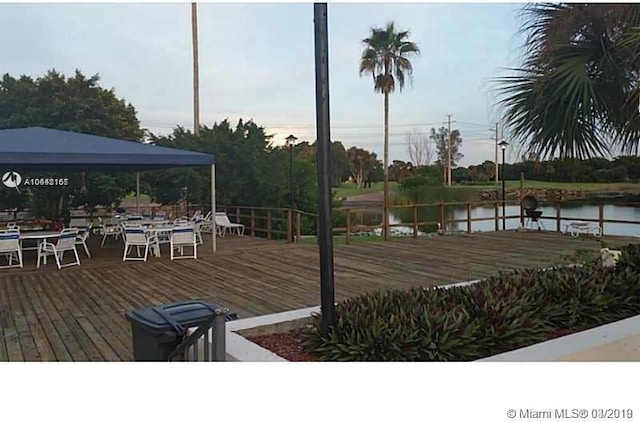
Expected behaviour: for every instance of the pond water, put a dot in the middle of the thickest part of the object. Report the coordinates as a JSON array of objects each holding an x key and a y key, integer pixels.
[
  {"x": 568, "y": 214},
  {"x": 571, "y": 212}
]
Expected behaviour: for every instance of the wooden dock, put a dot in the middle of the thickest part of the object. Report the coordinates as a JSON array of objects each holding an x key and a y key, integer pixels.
[{"x": 76, "y": 314}]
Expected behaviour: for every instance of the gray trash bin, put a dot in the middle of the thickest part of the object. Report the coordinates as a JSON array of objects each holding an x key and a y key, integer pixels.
[{"x": 158, "y": 330}]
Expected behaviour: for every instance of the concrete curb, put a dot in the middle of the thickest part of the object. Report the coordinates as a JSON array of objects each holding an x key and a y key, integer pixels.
[{"x": 571, "y": 344}]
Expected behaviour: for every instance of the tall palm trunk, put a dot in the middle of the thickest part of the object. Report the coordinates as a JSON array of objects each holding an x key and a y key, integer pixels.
[
  {"x": 196, "y": 79},
  {"x": 386, "y": 167}
]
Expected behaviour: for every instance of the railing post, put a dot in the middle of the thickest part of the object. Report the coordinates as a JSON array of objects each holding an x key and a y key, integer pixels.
[
  {"x": 269, "y": 224},
  {"x": 347, "y": 238},
  {"x": 558, "y": 217},
  {"x": 238, "y": 215},
  {"x": 442, "y": 216},
  {"x": 415, "y": 221},
  {"x": 219, "y": 336},
  {"x": 298, "y": 226},
  {"x": 601, "y": 217},
  {"x": 496, "y": 213},
  {"x": 253, "y": 222},
  {"x": 468, "y": 217},
  {"x": 289, "y": 225}
]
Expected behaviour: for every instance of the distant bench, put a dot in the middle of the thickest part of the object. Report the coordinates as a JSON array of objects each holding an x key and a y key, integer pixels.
[{"x": 575, "y": 229}]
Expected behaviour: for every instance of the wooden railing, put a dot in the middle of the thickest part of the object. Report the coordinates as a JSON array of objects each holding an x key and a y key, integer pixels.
[
  {"x": 272, "y": 223},
  {"x": 206, "y": 343},
  {"x": 285, "y": 224},
  {"x": 442, "y": 221}
]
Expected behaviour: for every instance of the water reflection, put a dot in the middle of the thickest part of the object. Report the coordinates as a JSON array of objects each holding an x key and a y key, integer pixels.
[{"x": 570, "y": 212}]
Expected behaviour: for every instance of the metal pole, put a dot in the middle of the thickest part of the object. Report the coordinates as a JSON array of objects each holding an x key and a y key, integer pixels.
[
  {"x": 325, "y": 227},
  {"x": 219, "y": 335},
  {"x": 291, "y": 197},
  {"x": 137, "y": 192},
  {"x": 504, "y": 215},
  {"x": 213, "y": 206}
]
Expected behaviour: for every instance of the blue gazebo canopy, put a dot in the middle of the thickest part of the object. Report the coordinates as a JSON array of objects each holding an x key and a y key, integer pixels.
[{"x": 43, "y": 149}]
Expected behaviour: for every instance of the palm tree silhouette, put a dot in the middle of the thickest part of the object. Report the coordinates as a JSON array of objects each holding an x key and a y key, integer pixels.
[{"x": 386, "y": 57}]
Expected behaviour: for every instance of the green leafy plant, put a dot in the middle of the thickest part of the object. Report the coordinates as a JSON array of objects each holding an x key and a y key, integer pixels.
[{"x": 499, "y": 314}]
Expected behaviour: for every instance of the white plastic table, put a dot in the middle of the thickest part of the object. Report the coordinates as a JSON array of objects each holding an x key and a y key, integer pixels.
[
  {"x": 40, "y": 236},
  {"x": 575, "y": 229}
]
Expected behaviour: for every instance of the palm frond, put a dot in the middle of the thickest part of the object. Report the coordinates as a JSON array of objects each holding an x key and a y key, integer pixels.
[
  {"x": 386, "y": 56},
  {"x": 577, "y": 90}
]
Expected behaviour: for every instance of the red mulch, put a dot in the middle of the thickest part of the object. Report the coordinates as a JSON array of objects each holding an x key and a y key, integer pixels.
[{"x": 286, "y": 345}]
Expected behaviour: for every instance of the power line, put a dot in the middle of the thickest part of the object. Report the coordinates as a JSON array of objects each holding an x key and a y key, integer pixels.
[{"x": 167, "y": 124}]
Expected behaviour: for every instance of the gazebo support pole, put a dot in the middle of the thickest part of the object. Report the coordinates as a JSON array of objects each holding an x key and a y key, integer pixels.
[
  {"x": 137, "y": 192},
  {"x": 213, "y": 206}
]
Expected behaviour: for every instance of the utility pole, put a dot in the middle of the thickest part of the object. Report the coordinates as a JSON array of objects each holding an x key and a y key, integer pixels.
[
  {"x": 196, "y": 82},
  {"x": 449, "y": 121}
]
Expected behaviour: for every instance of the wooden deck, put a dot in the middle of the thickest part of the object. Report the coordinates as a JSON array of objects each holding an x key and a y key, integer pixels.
[{"x": 76, "y": 314}]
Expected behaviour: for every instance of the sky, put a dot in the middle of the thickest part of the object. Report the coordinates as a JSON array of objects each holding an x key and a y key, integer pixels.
[{"x": 257, "y": 62}]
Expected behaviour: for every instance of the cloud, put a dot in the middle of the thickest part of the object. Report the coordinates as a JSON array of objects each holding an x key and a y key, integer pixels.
[{"x": 257, "y": 62}]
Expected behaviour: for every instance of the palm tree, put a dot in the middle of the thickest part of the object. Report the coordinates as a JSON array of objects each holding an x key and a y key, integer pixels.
[
  {"x": 385, "y": 57},
  {"x": 196, "y": 78},
  {"x": 576, "y": 93}
]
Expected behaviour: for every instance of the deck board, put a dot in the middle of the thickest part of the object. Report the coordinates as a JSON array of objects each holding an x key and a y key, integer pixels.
[
  {"x": 34, "y": 298},
  {"x": 77, "y": 313}
]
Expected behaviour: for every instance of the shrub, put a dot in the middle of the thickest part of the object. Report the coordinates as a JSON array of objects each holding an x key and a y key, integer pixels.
[{"x": 499, "y": 314}]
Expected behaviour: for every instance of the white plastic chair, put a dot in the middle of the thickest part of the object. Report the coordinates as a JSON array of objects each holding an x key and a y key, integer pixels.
[
  {"x": 66, "y": 242},
  {"x": 206, "y": 224},
  {"x": 161, "y": 216},
  {"x": 10, "y": 247},
  {"x": 183, "y": 236},
  {"x": 135, "y": 236},
  {"x": 197, "y": 228},
  {"x": 110, "y": 229},
  {"x": 223, "y": 224},
  {"x": 83, "y": 235}
]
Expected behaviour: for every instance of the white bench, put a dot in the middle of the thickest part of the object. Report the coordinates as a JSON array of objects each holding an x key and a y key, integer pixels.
[{"x": 575, "y": 229}]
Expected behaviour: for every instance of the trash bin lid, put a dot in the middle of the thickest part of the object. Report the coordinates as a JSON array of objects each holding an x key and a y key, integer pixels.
[{"x": 177, "y": 316}]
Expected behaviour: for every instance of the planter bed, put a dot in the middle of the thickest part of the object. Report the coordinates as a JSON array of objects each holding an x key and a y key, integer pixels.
[
  {"x": 286, "y": 345},
  {"x": 504, "y": 315},
  {"x": 501, "y": 314}
]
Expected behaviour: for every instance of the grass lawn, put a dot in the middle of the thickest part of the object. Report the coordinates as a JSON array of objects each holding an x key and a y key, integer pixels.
[
  {"x": 349, "y": 189},
  {"x": 590, "y": 187},
  {"x": 144, "y": 198}
]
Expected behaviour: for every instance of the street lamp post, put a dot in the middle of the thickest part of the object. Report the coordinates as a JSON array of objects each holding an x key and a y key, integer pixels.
[
  {"x": 503, "y": 147},
  {"x": 291, "y": 140}
]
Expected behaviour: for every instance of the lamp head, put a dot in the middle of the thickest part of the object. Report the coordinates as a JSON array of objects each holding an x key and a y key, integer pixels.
[
  {"x": 291, "y": 140},
  {"x": 503, "y": 145}
]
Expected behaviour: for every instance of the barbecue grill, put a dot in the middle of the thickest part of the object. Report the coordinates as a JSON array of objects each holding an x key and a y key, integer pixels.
[{"x": 530, "y": 207}]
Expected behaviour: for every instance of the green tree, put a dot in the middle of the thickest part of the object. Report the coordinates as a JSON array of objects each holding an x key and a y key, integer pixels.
[
  {"x": 75, "y": 104},
  {"x": 361, "y": 164},
  {"x": 400, "y": 170},
  {"x": 576, "y": 92},
  {"x": 339, "y": 164},
  {"x": 441, "y": 140},
  {"x": 250, "y": 171},
  {"x": 386, "y": 57},
  {"x": 339, "y": 159}
]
